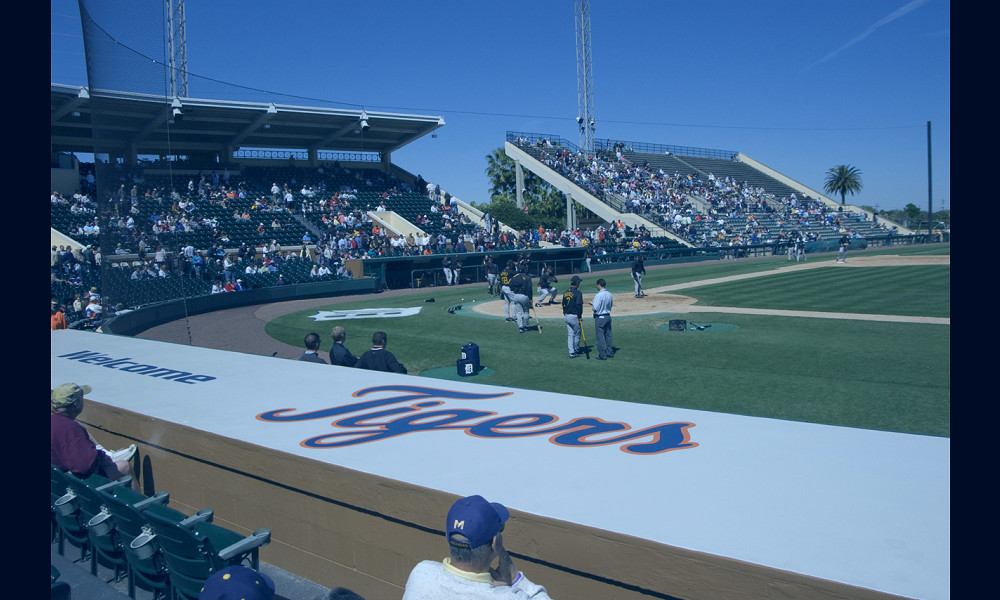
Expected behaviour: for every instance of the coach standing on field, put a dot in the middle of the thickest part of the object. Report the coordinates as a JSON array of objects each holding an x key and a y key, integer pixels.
[
  {"x": 572, "y": 305},
  {"x": 602, "y": 320}
]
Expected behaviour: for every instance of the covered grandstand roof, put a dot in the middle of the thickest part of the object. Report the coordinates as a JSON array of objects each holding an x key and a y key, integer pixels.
[{"x": 141, "y": 123}]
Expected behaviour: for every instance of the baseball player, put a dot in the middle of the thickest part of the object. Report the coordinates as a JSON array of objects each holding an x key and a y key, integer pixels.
[
  {"x": 491, "y": 274},
  {"x": 800, "y": 247},
  {"x": 572, "y": 305},
  {"x": 791, "y": 245},
  {"x": 446, "y": 267},
  {"x": 845, "y": 241},
  {"x": 638, "y": 270},
  {"x": 508, "y": 296},
  {"x": 520, "y": 286},
  {"x": 545, "y": 287}
]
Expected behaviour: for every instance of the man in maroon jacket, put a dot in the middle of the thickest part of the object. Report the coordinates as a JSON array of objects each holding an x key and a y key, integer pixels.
[{"x": 73, "y": 448}]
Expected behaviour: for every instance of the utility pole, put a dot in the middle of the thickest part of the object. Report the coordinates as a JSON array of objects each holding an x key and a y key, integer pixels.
[
  {"x": 584, "y": 78},
  {"x": 930, "y": 188}
]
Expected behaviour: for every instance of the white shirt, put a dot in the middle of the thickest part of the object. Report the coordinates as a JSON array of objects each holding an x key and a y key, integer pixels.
[
  {"x": 432, "y": 580},
  {"x": 602, "y": 302}
]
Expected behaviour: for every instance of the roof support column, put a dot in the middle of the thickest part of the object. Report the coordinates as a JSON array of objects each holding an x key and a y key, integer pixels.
[
  {"x": 570, "y": 212},
  {"x": 519, "y": 182}
]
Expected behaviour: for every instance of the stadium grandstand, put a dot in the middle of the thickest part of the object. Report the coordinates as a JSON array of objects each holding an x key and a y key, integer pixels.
[{"x": 186, "y": 201}]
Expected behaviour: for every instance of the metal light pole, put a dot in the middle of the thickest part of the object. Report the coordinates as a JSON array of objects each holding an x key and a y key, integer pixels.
[
  {"x": 584, "y": 77},
  {"x": 930, "y": 187},
  {"x": 177, "y": 50}
]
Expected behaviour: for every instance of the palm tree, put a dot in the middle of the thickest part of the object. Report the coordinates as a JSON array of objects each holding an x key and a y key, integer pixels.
[
  {"x": 500, "y": 171},
  {"x": 843, "y": 179},
  {"x": 546, "y": 206}
]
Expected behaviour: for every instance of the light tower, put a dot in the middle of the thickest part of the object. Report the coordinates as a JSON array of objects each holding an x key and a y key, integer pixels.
[
  {"x": 177, "y": 48},
  {"x": 584, "y": 78}
]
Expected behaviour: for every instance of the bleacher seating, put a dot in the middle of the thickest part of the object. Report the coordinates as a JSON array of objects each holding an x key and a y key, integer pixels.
[
  {"x": 159, "y": 549},
  {"x": 710, "y": 202},
  {"x": 194, "y": 548},
  {"x": 147, "y": 568},
  {"x": 106, "y": 547}
]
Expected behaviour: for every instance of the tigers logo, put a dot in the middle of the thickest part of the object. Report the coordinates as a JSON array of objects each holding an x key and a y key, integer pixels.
[
  {"x": 369, "y": 422},
  {"x": 365, "y": 313}
]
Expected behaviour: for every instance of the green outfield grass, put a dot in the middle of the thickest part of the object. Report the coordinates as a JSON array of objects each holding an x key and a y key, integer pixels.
[{"x": 874, "y": 375}]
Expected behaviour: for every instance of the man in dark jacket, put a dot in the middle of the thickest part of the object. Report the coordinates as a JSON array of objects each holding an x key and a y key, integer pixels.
[
  {"x": 312, "y": 349},
  {"x": 378, "y": 358},
  {"x": 339, "y": 355}
]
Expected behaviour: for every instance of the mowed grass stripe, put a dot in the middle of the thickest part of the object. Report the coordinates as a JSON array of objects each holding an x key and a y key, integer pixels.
[{"x": 920, "y": 290}]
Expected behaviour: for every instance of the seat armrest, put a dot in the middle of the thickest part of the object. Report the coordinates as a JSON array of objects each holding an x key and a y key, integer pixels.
[
  {"x": 204, "y": 515},
  {"x": 121, "y": 481},
  {"x": 253, "y": 541},
  {"x": 157, "y": 498}
]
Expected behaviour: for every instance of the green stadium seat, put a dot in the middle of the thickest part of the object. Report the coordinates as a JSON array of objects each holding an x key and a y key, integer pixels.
[
  {"x": 66, "y": 510},
  {"x": 194, "y": 548},
  {"x": 147, "y": 567},
  {"x": 105, "y": 543}
]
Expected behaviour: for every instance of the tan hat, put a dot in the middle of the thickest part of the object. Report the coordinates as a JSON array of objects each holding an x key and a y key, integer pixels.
[{"x": 68, "y": 393}]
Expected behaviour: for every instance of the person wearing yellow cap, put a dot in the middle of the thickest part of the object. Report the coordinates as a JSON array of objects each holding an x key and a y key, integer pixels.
[{"x": 73, "y": 448}]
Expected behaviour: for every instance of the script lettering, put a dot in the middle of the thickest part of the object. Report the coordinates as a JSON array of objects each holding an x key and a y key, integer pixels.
[{"x": 376, "y": 420}]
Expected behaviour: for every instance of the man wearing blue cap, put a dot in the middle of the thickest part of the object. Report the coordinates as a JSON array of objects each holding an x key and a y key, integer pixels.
[
  {"x": 473, "y": 530},
  {"x": 238, "y": 583}
]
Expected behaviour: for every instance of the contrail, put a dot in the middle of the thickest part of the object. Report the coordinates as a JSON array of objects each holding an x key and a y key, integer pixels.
[{"x": 915, "y": 4}]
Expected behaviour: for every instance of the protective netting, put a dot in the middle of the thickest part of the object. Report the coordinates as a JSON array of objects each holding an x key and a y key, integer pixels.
[{"x": 126, "y": 48}]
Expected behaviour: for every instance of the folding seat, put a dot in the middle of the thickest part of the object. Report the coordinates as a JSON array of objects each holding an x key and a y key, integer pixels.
[
  {"x": 147, "y": 568},
  {"x": 73, "y": 507},
  {"x": 105, "y": 543},
  {"x": 194, "y": 548},
  {"x": 68, "y": 518}
]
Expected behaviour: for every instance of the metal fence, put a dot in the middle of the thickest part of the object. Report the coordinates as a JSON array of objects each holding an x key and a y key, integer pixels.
[
  {"x": 609, "y": 145},
  {"x": 322, "y": 155}
]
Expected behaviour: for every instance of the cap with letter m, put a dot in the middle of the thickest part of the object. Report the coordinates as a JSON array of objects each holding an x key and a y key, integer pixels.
[{"x": 476, "y": 519}]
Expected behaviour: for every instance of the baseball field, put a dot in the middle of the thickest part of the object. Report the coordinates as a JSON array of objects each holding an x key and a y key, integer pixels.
[{"x": 863, "y": 344}]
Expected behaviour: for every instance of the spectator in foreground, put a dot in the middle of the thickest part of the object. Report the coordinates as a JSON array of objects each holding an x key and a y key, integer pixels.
[
  {"x": 473, "y": 531},
  {"x": 238, "y": 583},
  {"x": 378, "y": 358},
  {"x": 73, "y": 448}
]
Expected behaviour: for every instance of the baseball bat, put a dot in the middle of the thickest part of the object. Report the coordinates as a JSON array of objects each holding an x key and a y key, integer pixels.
[{"x": 583, "y": 334}]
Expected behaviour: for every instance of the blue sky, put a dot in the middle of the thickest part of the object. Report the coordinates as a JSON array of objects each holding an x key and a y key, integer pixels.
[{"x": 799, "y": 86}]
